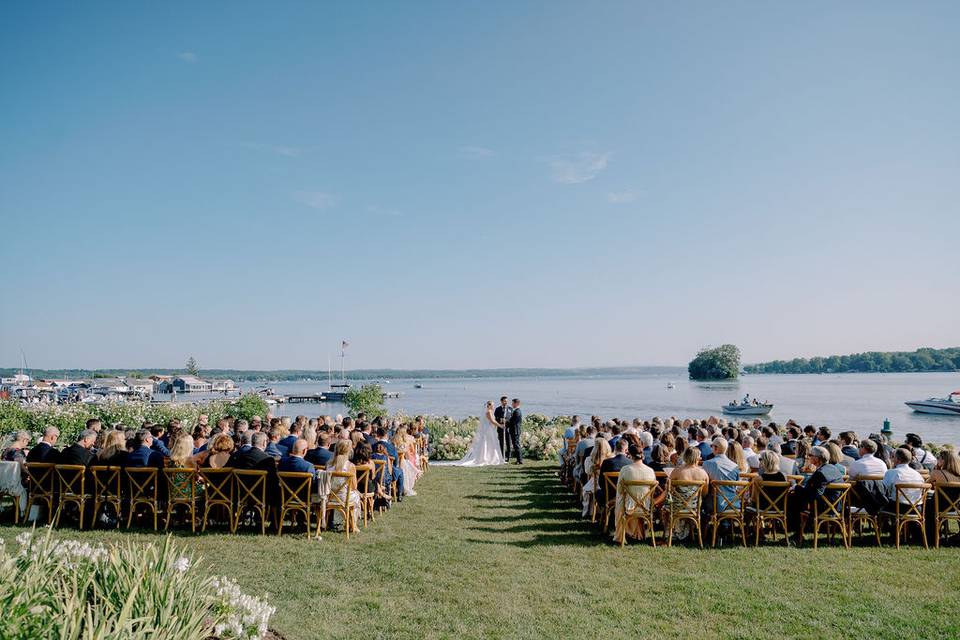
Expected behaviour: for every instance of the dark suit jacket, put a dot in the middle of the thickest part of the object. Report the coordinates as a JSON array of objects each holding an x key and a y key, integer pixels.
[
  {"x": 816, "y": 486},
  {"x": 145, "y": 457},
  {"x": 516, "y": 419},
  {"x": 75, "y": 454},
  {"x": 851, "y": 451},
  {"x": 251, "y": 458},
  {"x": 610, "y": 465},
  {"x": 299, "y": 465},
  {"x": 789, "y": 448},
  {"x": 119, "y": 459},
  {"x": 286, "y": 444},
  {"x": 42, "y": 452},
  {"x": 319, "y": 456},
  {"x": 498, "y": 416}
]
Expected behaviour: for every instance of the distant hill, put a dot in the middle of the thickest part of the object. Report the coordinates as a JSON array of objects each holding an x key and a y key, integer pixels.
[
  {"x": 925, "y": 359},
  {"x": 358, "y": 374}
]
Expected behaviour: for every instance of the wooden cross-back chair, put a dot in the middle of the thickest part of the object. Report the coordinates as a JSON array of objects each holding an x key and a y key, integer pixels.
[
  {"x": 107, "y": 491},
  {"x": 610, "y": 498},
  {"x": 251, "y": 492},
  {"x": 422, "y": 455},
  {"x": 41, "y": 481},
  {"x": 642, "y": 509},
  {"x": 595, "y": 476},
  {"x": 770, "y": 506},
  {"x": 685, "y": 498},
  {"x": 909, "y": 510},
  {"x": 856, "y": 502},
  {"x": 295, "y": 491},
  {"x": 181, "y": 492},
  {"x": 217, "y": 492},
  {"x": 367, "y": 490},
  {"x": 342, "y": 504},
  {"x": 382, "y": 475},
  {"x": 567, "y": 467},
  {"x": 72, "y": 489},
  {"x": 142, "y": 489},
  {"x": 729, "y": 506},
  {"x": 946, "y": 507},
  {"x": 829, "y": 511}
]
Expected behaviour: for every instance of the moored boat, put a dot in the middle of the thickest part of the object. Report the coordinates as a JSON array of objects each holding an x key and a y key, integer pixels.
[
  {"x": 940, "y": 406},
  {"x": 733, "y": 408}
]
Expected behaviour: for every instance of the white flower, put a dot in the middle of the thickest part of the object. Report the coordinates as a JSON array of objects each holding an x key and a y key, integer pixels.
[{"x": 181, "y": 564}]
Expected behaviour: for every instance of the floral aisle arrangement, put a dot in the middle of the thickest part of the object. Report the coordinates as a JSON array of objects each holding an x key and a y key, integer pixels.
[
  {"x": 541, "y": 436},
  {"x": 53, "y": 588}
]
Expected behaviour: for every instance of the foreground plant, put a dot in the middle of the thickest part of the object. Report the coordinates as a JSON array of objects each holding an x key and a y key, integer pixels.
[{"x": 65, "y": 589}]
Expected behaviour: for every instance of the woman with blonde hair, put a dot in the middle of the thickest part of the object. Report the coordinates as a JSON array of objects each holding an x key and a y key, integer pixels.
[
  {"x": 591, "y": 466},
  {"x": 735, "y": 453},
  {"x": 181, "y": 452},
  {"x": 407, "y": 452},
  {"x": 341, "y": 487},
  {"x": 114, "y": 451},
  {"x": 218, "y": 452}
]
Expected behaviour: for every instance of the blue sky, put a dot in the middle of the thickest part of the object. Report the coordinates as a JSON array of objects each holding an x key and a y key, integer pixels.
[{"x": 475, "y": 184}]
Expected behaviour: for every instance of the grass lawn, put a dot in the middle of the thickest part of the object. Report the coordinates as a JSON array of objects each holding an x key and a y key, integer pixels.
[{"x": 501, "y": 553}]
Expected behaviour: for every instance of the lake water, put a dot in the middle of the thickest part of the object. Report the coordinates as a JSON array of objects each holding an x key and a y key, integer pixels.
[{"x": 841, "y": 401}]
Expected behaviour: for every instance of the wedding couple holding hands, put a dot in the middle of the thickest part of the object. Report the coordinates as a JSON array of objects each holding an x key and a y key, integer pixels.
[{"x": 497, "y": 436}]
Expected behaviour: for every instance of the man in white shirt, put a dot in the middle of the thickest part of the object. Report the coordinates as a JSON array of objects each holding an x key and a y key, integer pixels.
[
  {"x": 753, "y": 460},
  {"x": 901, "y": 474},
  {"x": 867, "y": 464}
]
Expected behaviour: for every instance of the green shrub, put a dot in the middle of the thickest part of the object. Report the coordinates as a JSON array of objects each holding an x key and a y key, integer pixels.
[{"x": 368, "y": 399}]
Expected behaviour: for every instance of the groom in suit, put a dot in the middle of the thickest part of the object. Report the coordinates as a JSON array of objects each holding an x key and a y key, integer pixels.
[
  {"x": 513, "y": 429},
  {"x": 501, "y": 414}
]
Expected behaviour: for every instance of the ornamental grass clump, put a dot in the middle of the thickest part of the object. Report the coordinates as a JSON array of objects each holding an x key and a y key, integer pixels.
[{"x": 65, "y": 589}]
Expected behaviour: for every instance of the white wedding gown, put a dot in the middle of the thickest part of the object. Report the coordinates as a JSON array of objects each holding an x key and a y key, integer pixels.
[{"x": 485, "y": 448}]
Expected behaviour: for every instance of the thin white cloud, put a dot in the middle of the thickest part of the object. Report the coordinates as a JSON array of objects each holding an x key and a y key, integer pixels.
[
  {"x": 314, "y": 199},
  {"x": 476, "y": 152},
  {"x": 577, "y": 168},
  {"x": 280, "y": 150},
  {"x": 187, "y": 56},
  {"x": 384, "y": 211},
  {"x": 622, "y": 197}
]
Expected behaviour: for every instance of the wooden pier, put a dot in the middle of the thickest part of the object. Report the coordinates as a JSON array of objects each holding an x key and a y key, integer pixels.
[{"x": 329, "y": 396}]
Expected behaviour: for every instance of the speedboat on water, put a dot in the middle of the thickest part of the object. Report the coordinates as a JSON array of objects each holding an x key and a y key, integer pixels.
[
  {"x": 739, "y": 409},
  {"x": 942, "y": 406}
]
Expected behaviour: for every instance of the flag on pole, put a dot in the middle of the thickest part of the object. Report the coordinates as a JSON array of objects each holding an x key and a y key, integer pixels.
[{"x": 344, "y": 344}]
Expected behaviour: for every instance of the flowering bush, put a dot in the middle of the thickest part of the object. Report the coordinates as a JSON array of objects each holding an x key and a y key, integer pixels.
[
  {"x": 52, "y": 588},
  {"x": 541, "y": 437}
]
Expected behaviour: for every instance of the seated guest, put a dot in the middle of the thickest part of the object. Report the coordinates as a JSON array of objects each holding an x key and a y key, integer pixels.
[
  {"x": 628, "y": 498},
  {"x": 15, "y": 451},
  {"x": 921, "y": 456},
  {"x": 143, "y": 454},
  {"x": 866, "y": 464},
  {"x": 689, "y": 470},
  {"x": 720, "y": 467},
  {"x": 342, "y": 486},
  {"x": 385, "y": 478},
  {"x": 848, "y": 444},
  {"x": 114, "y": 450},
  {"x": 160, "y": 441},
  {"x": 320, "y": 455},
  {"x": 592, "y": 466},
  {"x": 646, "y": 439},
  {"x": 770, "y": 470},
  {"x": 788, "y": 466},
  {"x": 80, "y": 452},
  {"x": 181, "y": 452},
  {"x": 813, "y": 487},
  {"x": 252, "y": 455},
  {"x": 200, "y": 440},
  {"x": 273, "y": 449},
  {"x": 706, "y": 451},
  {"x": 947, "y": 469},
  {"x": 735, "y": 453},
  {"x": 219, "y": 451},
  {"x": 902, "y": 473},
  {"x": 285, "y": 444},
  {"x": 45, "y": 451},
  {"x": 789, "y": 446},
  {"x": 396, "y": 469},
  {"x": 660, "y": 457},
  {"x": 295, "y": 462}
]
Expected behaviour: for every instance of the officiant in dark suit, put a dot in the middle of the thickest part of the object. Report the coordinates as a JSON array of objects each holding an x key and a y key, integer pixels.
[
  {"x": 502, "y": 415},
  {"x": 513, "y": 430}
]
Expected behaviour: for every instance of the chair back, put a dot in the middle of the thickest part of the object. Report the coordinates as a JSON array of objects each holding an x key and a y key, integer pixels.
[
  {"x": 771, "y": 498},
  {"x": 251, "y": 487},
  {"x": 911, "y": 500},
  {"x": 142, "y": 483},
  {"x": 946, "y": 500},
  {"x": 364, "y": 475},
  {"x": 181, "y": 484},
  {"x": 640, "y": 493},
  {"x": 71, "y": 480},
  {"x": 106, "y": 482},
  {"x": 686, "y": 497},
  {"x": 339, "y": 480},
  {"x": 41, "y": 478},
  {"x": 295, "y": 488},
  {"x": 610, "y": 479},
  {"x": 217, "y": 485},
  {"x": 571, "y": 446},
  {"x": 729, "y": 496},
  {"x": 380, "y": 470},
  {"x": 832, "y": 505}
]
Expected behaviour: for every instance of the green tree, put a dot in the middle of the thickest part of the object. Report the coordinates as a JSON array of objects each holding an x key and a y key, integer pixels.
[
  {"x": 192, "y": 366},
  {"x": 247, "y": 406},
  {"x": 718, "y": 363},
  {"x": 368, "y": 399}
]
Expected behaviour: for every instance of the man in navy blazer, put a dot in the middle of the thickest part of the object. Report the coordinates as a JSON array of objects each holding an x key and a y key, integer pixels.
[
  {"x": 321, "y": 454},
  {"x": 295, "y": 461},
  {"x": 45, "y": 451},
  {"x": 286, "y": 444},
  {"x": 143, "y": 455}
]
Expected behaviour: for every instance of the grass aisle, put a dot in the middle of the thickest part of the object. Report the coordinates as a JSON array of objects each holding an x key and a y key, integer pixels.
[{"x": 500, "y": 553}]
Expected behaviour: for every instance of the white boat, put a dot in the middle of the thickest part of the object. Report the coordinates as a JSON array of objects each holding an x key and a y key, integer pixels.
[
  {"x": 670, "y": 385},
  {"x": 746, "y": 409},
  {"x": 940, "y": 406}
]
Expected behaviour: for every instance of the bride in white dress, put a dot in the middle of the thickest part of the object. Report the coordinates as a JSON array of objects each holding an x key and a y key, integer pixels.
[{"x": 485, "y": 448}]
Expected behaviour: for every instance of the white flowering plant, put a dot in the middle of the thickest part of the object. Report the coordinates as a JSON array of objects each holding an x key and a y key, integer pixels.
[
  {"x": 52, "y": 588},
  {"x": 541, "y": 437}
]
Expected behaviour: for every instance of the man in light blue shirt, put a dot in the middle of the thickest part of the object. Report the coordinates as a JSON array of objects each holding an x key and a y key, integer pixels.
[{"x": 720, "y": 467}]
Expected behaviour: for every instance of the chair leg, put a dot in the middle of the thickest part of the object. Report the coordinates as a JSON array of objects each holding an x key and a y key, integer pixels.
[
  {"x": 699, "y": 533},
  {"x": 83, "y": 507},
  {"x": 653, "y": 534},
  {"x": 713, "y": 538},
  {"x": 756, "y": 531},
  {"x": 743, "y": 532}
]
